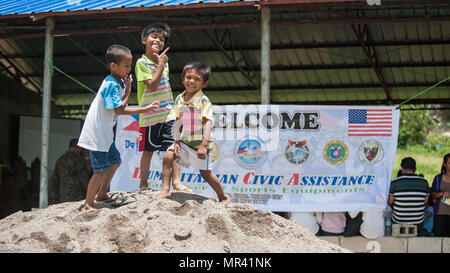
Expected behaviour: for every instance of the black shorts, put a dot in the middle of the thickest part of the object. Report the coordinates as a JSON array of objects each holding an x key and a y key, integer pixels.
[{"x": 157, "y": 137}]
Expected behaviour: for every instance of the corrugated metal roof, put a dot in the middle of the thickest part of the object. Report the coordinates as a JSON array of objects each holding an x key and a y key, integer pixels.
[
  {"x": 314, "y": 60},
  {"x": 33, "y": 6}
]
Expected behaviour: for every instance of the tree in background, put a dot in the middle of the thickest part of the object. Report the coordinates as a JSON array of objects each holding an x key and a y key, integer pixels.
[
  {"x": 444, "y": 117},
  {"x": 415, "y": 125}
]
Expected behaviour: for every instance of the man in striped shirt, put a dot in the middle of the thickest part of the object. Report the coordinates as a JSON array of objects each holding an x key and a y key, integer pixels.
[{"x": 408, "y": 196}]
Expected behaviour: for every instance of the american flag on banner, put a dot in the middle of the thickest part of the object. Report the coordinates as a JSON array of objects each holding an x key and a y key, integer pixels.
[{"x": 370, "y": 122}]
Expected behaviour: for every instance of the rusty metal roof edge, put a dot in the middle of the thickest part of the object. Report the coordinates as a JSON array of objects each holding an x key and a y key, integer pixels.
[{"x": 161, "y": 7}]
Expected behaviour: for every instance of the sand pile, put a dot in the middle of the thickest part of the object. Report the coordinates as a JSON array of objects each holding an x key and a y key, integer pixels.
[{"x": 184, "y": 223}]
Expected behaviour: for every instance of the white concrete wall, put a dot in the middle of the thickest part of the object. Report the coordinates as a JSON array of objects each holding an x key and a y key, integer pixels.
[{"x": 360, "y": 244}]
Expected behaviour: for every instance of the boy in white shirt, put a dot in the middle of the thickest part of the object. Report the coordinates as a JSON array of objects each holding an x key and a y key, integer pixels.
[{"x": 97, "y": 134}]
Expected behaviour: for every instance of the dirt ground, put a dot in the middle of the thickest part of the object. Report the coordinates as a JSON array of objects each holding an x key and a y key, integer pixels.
[{"x": 186, "y": 223}]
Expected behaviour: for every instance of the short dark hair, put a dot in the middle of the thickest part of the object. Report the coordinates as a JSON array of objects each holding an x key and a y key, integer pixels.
[
  {"x": 408, "y": 163},
  {"x": 73, "y": 142},
  {"x": 157, "y": 27},
  {"x": 446, "y": 158},
  {"x": 114, "y": 53},
  {"x": 202, "y": 68}
]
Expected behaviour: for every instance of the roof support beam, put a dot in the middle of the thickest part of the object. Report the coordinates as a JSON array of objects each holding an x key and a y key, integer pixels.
[
  {"x": 17, "y": 73},
  {"x": 93, "y": 57},
  {"x": 363, "y": 34},
  {"x": 135, "y": 29},
  {"x": 347, "y": 87},
  {"x": 275, "y": 68},
  {"x": 8, "y": 67},
  {"x": 293, "y": 46},
  {"x": 231, "y": 57},
  {"x": 444, "y": 105}
]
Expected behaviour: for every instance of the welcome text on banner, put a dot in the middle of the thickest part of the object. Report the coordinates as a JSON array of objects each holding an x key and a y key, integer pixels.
[{"x": 285, "y": 157}]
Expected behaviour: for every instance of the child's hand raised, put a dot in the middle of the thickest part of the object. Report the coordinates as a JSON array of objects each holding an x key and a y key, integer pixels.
[
  {"x": 162, "y": 58},
  {"x": 128, "y": 82}
]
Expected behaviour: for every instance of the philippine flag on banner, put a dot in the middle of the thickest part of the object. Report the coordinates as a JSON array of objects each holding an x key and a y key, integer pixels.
[{"x": 370, "y": 122}]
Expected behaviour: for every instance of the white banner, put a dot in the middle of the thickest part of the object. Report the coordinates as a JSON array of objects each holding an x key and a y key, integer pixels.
[{"x": 286, "y": 157}]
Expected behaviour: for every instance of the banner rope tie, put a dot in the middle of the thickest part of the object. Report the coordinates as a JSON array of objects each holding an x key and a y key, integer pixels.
[
  {"x": 70, "y": 77},
  {"x": 422, "y": 92}
]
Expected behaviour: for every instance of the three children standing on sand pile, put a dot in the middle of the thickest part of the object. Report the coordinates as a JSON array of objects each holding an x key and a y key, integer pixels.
[{"x": 161, "y": 119}]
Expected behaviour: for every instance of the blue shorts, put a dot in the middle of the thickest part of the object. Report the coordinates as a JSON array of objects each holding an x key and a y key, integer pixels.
[{"x": 100, "y": 161}]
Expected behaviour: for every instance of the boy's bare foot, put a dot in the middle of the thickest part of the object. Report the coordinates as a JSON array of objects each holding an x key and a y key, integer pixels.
[
  {"x": 162, "y": 195},
  {"x": 101, "y": 198},
  {"x": 226, "y": 198},
  {"x": 180, "y": 187},
  {"x": 87, "y": 207},
  {"x": 143, "y": 187}
]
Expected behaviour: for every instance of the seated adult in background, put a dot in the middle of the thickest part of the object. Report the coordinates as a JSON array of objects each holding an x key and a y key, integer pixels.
[
  {"x": 71, "y": 177},
  {"x": 87, "y": 161},
  {"x": 408, "y": 196},
  {"x": 333, "y": 224},
  {"x": 307, "y": 220},
  {"x": 372, "y": 225},
  {"x": 440, "y": 191}
]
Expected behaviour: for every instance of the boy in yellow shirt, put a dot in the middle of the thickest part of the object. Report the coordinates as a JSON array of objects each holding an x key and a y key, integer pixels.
[{"x": 193, "y": 112}]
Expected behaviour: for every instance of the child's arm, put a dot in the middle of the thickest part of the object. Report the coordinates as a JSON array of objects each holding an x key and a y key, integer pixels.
[
  {"x": 177, "y": 135},
  {"x": 112, "y": 100},
  {"x": 202, "y": 150},
  {"x": 153, "y": 83},
  {"x": 427, "y": 215},
  {"x": 123, "y": 110},
  {"x": 426, "y": 200},
  {"x": 391, "y": 200}
]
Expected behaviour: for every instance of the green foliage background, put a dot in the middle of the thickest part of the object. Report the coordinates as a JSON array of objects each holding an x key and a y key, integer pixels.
[{"x": 420, "y": 137}]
